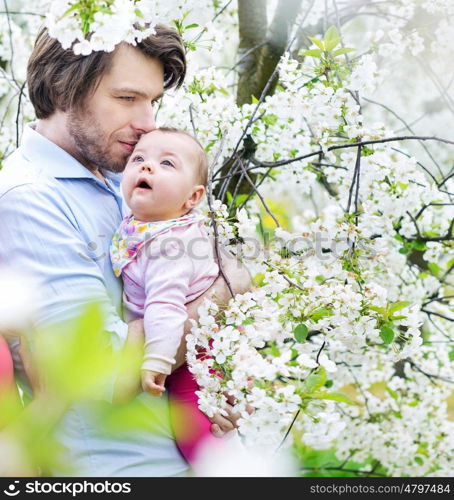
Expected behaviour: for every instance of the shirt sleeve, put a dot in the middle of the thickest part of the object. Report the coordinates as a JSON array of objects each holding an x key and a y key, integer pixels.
[
  {"x": 167, "y": 275},
  {"x": 40, "y": 237}
]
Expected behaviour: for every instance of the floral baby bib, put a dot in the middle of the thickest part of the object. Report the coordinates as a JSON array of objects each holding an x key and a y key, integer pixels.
[{"x": 133, "y": 234}]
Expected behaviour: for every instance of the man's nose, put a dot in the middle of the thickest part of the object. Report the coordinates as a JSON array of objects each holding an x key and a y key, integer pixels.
[{"x": 145, "y": 119}]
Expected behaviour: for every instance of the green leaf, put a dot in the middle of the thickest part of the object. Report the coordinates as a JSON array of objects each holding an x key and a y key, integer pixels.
[
  {"x": 419, "y": 460},
  {"x": 422, "y": 450},
  {"x": 420, "y": 245},
  {"x": 74, "y": 7},
  {"x": 404, "y": 250},
  {"x": 380, "y": 310},
  {"x": 75, "y": 356},
  {"x": 387, "y": 334},
  {"x": 397, "y": 306},
  {"x": 189, "y": 26},
  {"x": 392, "y": 393},
  {"x": 334, "y": 396},
  {"x": 270, "y": 119},
  {"x": 259, "y": 279},
  {"x": 317, "y": 42},
  {"x": 332, "y": 43},
  {"x": 275, "y": 351},
  {"x": 301, "y": 332},
  {"x": 344, "y": 50},
  {"x": 315, "y": 380},
  {"x": 312, "y": 81},
  {"x": 331, "y": 32},
  {"x": 329, "y": 383},
  {"x": 332, "y": 38},
  {"x": 138, "y": 13},
  {"x": 451, "y": 354},
  {"x": 133, "y": 416},
  {"x": 312, "y": 53},
  {"x": 396, "y": 318},
  {"x": 434, "y": 267},
  {"x": 320, "y": 313},
  {"x": 239, "y": 199}
]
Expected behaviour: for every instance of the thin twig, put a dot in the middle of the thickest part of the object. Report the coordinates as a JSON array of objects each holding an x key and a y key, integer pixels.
[
  {"x": 21, "y": 93},
  {"x": 356, "y": 144},
  {"x": 408, "y": 127},
  {"x": 265, "y": 206},
  {"x": 354, "y": 471},
  {"x": 429, "y": 375},
  {"x": 288, "y": 431},
  {"x": 191, "y": 115},
  {"x": 430, "y": 313},
  {"x": 213, "y": 218},
  {"x": 10, "y": 35}
]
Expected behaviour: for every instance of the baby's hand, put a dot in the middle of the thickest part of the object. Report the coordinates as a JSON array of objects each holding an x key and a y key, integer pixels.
[{"x": 153, "y": 382}]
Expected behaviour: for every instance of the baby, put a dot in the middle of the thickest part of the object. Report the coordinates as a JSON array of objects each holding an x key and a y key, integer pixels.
[{"x": 165, "y": 259}]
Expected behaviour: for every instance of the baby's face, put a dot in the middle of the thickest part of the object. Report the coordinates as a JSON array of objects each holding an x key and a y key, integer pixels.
[{"x": 160, "y": 178}]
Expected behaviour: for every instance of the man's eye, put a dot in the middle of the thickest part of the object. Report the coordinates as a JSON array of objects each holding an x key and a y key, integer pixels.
[
  {"x": 167, "y": 163},
  {"x": 138, "y": 158},
  {"x": 126, "y": 98},
  {"x": 155, "y": 101}
]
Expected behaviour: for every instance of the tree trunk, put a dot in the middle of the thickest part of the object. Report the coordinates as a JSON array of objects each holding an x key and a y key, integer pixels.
[
  {"x": 276, "y": 42},
  {"x": 253, "y": 25}
]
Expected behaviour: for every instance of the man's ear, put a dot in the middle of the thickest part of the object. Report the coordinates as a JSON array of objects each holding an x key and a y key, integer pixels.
[{"x": 196, "y": 196}]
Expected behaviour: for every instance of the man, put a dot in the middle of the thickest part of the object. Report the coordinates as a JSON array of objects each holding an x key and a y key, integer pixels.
[{"x": 60, "y": 205}]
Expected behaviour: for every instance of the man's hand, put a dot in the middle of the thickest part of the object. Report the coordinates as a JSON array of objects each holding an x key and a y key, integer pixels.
[
  {"x": 221, "y": 425},
  {"x": 153, "y": 382}
]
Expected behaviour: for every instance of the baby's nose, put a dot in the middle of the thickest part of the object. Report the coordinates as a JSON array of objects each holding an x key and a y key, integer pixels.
[{"x": 146, "y": 167}]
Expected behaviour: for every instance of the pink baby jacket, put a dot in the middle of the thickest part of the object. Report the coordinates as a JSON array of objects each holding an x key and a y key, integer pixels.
[{"x": 164, "y": 265}]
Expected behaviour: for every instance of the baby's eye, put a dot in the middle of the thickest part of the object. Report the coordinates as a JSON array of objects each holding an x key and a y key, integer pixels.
[
  {"x": 167, "y": 163},
  {"x": 138, "y": 158}
]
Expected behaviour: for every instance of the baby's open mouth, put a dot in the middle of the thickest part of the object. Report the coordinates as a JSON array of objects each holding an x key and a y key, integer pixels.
[{"x": 143, "y": 184}]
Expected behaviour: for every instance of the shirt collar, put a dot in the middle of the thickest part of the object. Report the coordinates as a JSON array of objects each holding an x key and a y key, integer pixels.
[{"x": 54, "y": 160}]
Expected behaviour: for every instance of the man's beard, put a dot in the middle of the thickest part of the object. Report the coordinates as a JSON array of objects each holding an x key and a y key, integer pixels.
[{"x": 91, "y": 144}]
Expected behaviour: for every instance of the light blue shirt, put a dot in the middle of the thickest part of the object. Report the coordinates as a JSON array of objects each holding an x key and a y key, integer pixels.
[{"x": 57, "y": 220}]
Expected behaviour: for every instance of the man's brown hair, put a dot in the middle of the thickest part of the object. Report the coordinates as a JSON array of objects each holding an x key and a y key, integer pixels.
[{"x": 59, "y": 79}]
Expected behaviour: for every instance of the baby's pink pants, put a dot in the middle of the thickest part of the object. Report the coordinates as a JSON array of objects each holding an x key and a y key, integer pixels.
[{"x": 191, "y": 427}]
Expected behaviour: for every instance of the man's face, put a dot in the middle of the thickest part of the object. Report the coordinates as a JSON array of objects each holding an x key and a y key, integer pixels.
[{"x": 112, "y": 119}]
